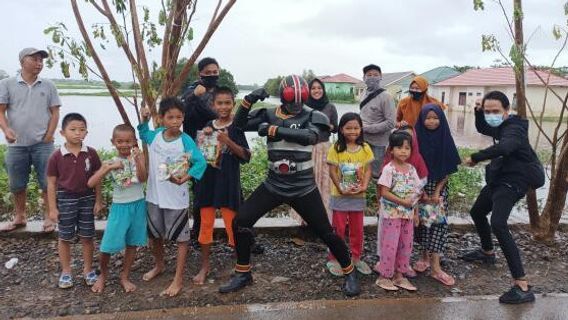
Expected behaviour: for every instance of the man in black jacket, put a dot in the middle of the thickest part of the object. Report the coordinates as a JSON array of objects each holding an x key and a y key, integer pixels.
[
  {"x": 508, "y": 178},
  {"x": 197, "y": 103}
]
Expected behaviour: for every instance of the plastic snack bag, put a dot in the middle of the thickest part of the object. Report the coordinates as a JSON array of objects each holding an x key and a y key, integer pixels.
[{"x": 209, "y": 147}]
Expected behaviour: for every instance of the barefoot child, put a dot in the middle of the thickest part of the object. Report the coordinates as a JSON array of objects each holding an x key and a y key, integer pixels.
[
  {"x": 126, "y": 225},
  {"x": 441, "y": 156},
  {"x": 171, "y": 152},
  {"x": 220, "y": 186},
  {"x": 399, "y": 186},
  {"x": 349, "y": 162},
  {"x": 72, "y": 201}
]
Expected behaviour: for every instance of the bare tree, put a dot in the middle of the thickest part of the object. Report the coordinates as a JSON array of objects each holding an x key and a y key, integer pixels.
[
  {"x": 134, "y": 36},
  {"x": 544, "y": 224}
]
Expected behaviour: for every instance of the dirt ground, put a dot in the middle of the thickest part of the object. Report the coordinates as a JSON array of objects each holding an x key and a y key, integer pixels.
[{"x": 285, "y": 272}]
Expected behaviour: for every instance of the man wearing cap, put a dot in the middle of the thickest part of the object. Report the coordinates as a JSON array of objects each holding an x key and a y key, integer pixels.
[
  {"x": 29, "y": 113},
  {"x": 377, "y": 114}
]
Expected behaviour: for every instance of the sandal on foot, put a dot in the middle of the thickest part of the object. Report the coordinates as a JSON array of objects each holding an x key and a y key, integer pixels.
[
  {"x": 65, "y": 281},
  {"x": 444, "y": 278},
  {"x": 421, "y": 266},
  {"x": 13, "y": 226},
  {"x": 90, "y": 278},
  {"x": 334, "y": 268},
  {"x": 363, "y": 267},
  {"x": 404, "y": 284},
  {"x": 386, "y": 284}
]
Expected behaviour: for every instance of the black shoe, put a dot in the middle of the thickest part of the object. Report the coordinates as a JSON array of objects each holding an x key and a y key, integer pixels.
[
  {"x": 478, "y": 255},
  {"x": 516, "y": 295},
  {"x": 351, "y": 286},
  {"x": 238, "y": 281}
]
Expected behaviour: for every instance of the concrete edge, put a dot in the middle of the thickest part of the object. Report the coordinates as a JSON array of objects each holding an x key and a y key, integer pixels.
[
  {"x": 250, "y": 309},
  {"x": 270, "y": 226}
]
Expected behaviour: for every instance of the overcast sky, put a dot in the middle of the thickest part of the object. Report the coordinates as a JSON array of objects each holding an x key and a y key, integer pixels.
[{"x": 260, "y": 39}]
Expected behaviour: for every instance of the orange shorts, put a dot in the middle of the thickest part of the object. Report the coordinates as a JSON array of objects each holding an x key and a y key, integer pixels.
[{"x": 208, "y": 223}]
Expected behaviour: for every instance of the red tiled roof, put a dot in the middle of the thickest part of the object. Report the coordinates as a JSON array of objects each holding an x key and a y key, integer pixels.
[
  {"x": 500, "y": 77},
  {"x": 340, "y": 78}
]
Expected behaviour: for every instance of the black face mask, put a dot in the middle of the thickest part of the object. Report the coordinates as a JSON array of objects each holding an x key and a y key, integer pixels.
[
  {"x": 416, "y": 95},
  {"x": 209, "y": 81}
]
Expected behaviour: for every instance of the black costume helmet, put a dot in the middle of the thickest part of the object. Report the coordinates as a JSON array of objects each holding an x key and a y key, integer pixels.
[{"x": 294, "y": 92}]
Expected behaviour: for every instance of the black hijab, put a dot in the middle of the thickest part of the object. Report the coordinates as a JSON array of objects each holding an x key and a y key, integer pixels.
[
  {"x": 320, "y": 103},
  {"x": 437, "y": 146}
]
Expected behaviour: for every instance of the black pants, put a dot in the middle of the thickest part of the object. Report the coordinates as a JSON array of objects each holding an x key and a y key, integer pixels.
[
  {"x": 309, "y": 207},
  {"x": 498, "y": 199}
]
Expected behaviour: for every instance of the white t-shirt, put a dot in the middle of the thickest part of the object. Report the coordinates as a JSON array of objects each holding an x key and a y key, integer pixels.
[{"x": 163, "y": 193}]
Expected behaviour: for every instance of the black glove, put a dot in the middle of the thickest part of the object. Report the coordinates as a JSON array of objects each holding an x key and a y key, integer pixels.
[
  {"x": 258, "y": 94},
  {"x": 263, "y": 129}
]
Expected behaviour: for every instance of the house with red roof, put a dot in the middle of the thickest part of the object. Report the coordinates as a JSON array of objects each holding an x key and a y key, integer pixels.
[{"x": 461, "y": 92}]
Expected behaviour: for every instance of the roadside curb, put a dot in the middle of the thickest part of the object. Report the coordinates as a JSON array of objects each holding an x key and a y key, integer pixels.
[
  {"x": 269, "y": 226},
  {"x": 288, "y": 310}
]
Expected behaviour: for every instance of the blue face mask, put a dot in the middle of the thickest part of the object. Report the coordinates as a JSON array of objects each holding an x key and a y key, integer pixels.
[{"x": 494, "y": 120}]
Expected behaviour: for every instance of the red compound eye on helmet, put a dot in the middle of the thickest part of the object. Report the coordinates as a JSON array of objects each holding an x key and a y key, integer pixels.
[{"x": 294, "y": 88}]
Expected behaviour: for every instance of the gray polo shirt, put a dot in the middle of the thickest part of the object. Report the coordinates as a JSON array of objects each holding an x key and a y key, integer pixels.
[{"x": 28, "y": 107}]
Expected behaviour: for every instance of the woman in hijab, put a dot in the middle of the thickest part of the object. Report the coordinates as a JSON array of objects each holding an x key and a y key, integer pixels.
[
  {"x": 318, "y": 101},
  {"x": 409, "y": 107}
]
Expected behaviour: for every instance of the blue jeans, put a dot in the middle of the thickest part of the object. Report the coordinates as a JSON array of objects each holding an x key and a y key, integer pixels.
[{"x": 18, "y": 164}]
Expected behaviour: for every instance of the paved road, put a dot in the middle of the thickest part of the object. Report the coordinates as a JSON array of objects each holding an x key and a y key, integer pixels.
[{"x": 483, "y": 308}]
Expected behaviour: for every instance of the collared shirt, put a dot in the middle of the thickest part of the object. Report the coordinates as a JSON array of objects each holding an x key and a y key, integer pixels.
[
  {"x": 72, "y": 171},
  {"x": 28, "y": 107}
]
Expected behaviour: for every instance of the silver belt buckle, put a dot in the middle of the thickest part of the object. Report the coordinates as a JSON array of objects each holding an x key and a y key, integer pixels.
[{"x": 284, "y": 166}]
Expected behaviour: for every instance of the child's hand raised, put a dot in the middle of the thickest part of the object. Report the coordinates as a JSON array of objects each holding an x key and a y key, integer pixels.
[{"x": 145, "y": 113}]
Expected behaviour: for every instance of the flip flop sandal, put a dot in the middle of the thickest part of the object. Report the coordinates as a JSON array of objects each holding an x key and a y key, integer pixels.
[
  {"x": 14, "y": 227},
  {"x": 90, "y": 278},
  {"x": 65, "y": 281},
  {"x": 386, "y": 284},
  {"x": 363, "y": 267},
  {"x": 421, "y": 266},
  {"x": 444, "y": 278},
  {"x": 334, "y": 268},
  {"x": 404, "y": 284}
]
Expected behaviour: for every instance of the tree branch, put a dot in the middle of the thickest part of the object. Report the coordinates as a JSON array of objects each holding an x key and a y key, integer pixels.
[
  {"x": 210, "y": 30},
  {"x": 98, "y": 62},
  {"x": 98, "y": 7},
  {"x": 141, "y": 55}
]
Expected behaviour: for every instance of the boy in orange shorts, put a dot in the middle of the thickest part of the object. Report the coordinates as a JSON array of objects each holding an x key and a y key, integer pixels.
[{"x": 225, "y": 148}]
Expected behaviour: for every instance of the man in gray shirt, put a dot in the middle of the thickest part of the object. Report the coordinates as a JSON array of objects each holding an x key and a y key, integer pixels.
[
  {"x": 378, "y": 114},
  {"x": 29, "y": 113}
]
